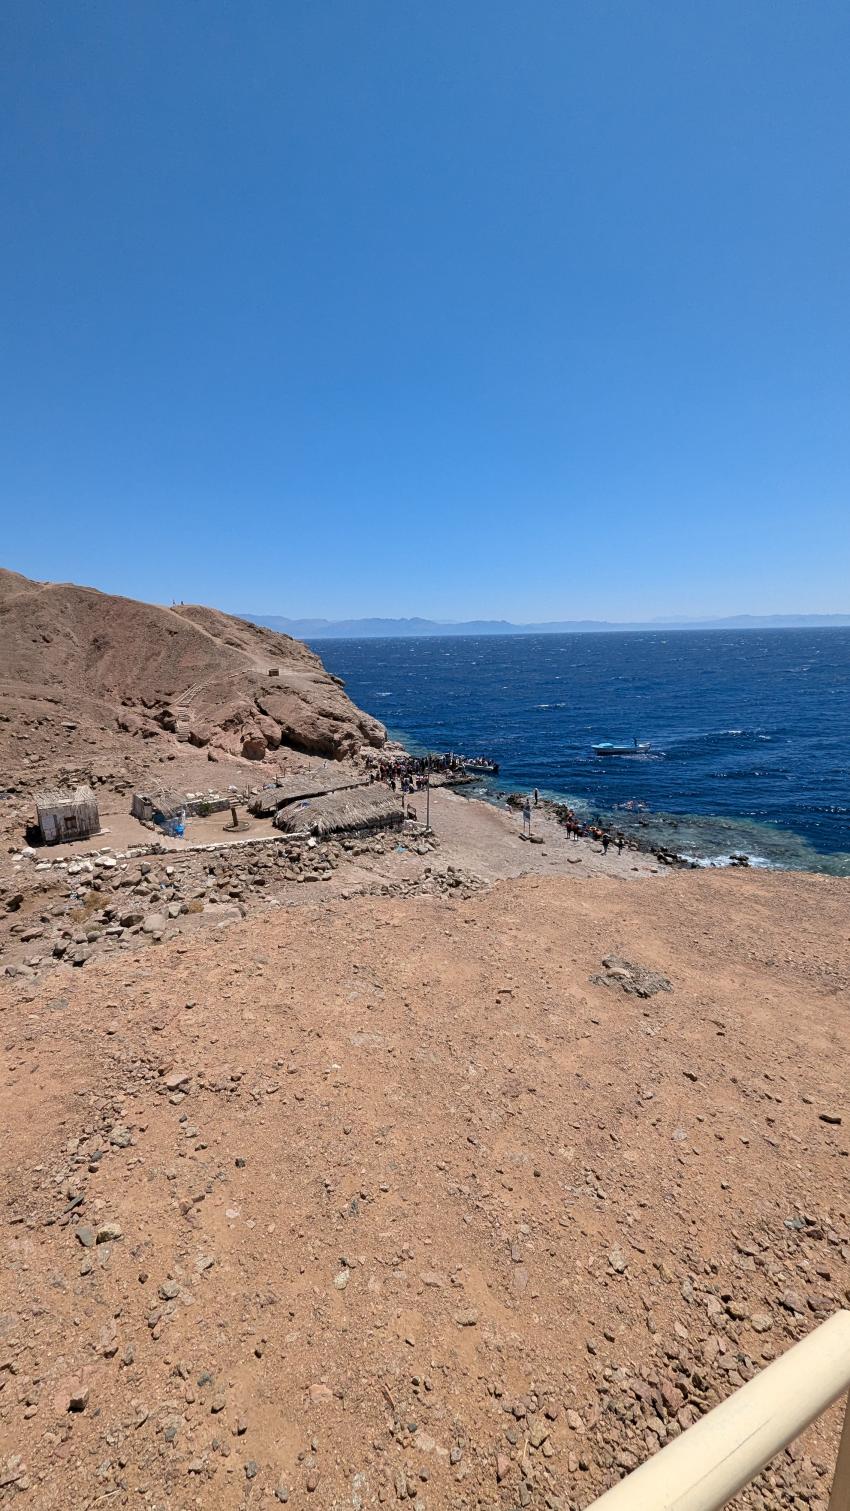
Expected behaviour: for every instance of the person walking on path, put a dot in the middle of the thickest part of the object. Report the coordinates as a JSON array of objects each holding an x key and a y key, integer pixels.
[
  {"x": 526, "y": 818},
  {"x": 606, "y": 840}
]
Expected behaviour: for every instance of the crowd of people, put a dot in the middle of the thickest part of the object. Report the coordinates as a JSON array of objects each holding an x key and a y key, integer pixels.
[
  {"x": 409, "y": 773},
  {"x": 578, "y": 828},
  {"x": 593, "y": 829},
  {"x": 405, "y": 775}
]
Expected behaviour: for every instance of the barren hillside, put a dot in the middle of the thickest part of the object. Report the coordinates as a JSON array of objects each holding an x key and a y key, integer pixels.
[{"x": 92, "y": 681}]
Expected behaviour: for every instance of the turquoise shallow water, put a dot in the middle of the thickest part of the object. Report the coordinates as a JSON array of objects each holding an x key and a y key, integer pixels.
[{"x": 750, "y": 730}]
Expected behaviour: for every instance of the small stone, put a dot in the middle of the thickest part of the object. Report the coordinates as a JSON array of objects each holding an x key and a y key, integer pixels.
[
  {"x": 313, "y": 1480},
  {"x": 467, "y": 1319},
  {"x": 282, "y": 1494},
  {"x": 169, "y": 1290},
  {"x": 341, "y": 1280},
  {"x": 760, "y": 1322},
  {"x": 107, "y": 1344},
  {"x": 120, "y": 1137},
  {"x": 503, "y": 1467},
  {"x": 433, "y": 1278},
  {"x": 251, "y": 1469},
  {"x": 108, "y": 1232},
  {"x": 737, "y": 1310},
  {"x": 85, "y": 1236}
]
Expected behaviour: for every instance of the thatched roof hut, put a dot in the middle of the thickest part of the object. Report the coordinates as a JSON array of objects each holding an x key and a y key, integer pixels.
[
  {"x": 343, "y": 813},
  {"x": 294, "y": 789}
]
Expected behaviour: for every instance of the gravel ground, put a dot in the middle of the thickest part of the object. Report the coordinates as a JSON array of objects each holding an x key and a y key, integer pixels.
[{"x": 469, "y": 1202}]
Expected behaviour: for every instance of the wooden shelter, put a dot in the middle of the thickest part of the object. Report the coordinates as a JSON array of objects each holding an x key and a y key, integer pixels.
[
  {"x": 157, "y": 805},
  {"x": 65, "y": 815},
  {"x": 294, "y": 789},
  {"x": 343, "y": 813},
  {"x": 161, "y": 805}
]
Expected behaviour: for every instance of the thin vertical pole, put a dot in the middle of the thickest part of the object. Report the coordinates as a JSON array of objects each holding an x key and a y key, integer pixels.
[
  {"x": 840, "y": 1497},
  {"x": 428, "y": 803}
]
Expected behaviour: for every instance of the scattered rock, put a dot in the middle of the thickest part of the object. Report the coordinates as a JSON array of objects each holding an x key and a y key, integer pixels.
[{"x": 634, "y": 980}]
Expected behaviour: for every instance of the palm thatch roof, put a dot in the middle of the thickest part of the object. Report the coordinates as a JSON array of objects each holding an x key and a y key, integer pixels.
[
  {"x": 295, "y": 788},
  {"x": 343, "y": 813}
]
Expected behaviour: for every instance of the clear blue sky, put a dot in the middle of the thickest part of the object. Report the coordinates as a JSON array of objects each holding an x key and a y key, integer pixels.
[{"x": 458, "y": 307}]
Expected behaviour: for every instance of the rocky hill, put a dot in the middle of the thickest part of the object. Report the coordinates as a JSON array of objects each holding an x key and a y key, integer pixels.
[{"x": 89, "y": 680}]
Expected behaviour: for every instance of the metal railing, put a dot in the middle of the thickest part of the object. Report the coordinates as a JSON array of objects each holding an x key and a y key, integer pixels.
[{"x": 720, "y": 1454}]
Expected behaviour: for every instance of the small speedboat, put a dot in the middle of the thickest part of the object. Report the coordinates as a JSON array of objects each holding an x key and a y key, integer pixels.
[
  {"x": 608, "y": 748},
  {"x": 482, "y": 765}
]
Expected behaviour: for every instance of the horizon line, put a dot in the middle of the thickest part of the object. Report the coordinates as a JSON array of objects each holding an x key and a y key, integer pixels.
[{"x": 415, "y": 627}]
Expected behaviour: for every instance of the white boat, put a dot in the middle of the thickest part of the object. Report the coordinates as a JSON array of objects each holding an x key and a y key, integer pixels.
[{"x": 608, "y": 748}]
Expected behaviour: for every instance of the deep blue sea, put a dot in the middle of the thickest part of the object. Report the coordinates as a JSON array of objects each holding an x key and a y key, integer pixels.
[{"x": 750, "y": 730}]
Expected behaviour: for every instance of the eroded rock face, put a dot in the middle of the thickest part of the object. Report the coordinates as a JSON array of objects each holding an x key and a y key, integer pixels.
[
  {"x": 269, "y": 730},
  {"x": 254, "y": 745},
  {"x": 320, "y": 719},
  {"x": 95, "y": 672}
]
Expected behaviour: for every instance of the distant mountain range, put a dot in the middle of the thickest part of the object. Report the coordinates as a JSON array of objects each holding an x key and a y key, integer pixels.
[{"x": 373, "y": 629}]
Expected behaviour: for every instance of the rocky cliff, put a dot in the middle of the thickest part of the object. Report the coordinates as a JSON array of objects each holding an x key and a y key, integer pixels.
[{"x": 83, "y": 674}]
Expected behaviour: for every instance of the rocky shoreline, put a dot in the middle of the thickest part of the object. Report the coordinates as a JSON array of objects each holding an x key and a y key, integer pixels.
[{"x": 614, "y": 824}]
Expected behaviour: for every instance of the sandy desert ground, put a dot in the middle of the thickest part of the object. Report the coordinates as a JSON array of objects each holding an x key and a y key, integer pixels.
[{"x": 375, "y": 1199}]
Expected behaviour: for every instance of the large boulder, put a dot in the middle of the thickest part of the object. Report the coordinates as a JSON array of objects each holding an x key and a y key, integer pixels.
[
  {"x": 269, "y": 729},
  {"x": 254, "y": 744},
  {"x": 320, "y": 719}
]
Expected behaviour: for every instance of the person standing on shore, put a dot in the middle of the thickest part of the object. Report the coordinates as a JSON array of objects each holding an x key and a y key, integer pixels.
[
  {"x": 526, "y": 818},
  {"x": 536, "y": 797},
  {"x": 606, "y": 840}
]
